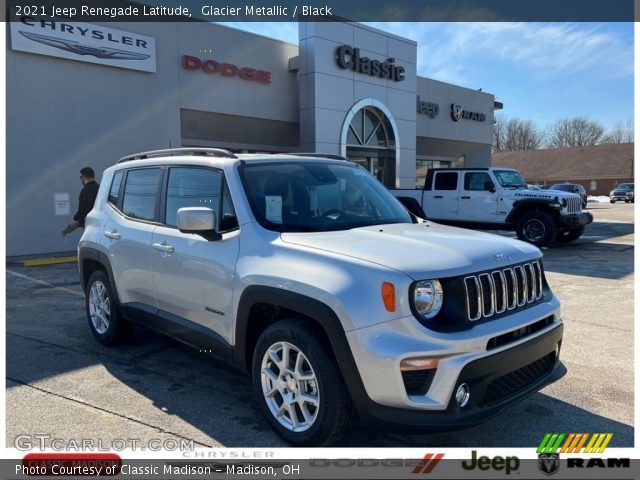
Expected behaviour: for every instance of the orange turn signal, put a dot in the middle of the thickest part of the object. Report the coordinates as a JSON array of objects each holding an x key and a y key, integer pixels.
[
  {"x": 411, "y": 364},
  {"x": 389, "y": 296}
]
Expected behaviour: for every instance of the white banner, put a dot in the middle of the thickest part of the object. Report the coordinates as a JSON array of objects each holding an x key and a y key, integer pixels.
[{"x": 84, "y": 42}]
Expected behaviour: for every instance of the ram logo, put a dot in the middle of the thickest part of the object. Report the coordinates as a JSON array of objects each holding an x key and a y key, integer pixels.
[{"x": 456, "y": 112}]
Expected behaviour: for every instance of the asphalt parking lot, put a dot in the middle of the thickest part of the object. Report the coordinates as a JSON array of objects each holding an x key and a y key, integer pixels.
[{"x": 62, "y": 383}]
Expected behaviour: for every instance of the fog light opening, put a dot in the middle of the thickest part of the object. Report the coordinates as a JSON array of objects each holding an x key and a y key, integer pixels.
[{"x": 463, "y": 394}]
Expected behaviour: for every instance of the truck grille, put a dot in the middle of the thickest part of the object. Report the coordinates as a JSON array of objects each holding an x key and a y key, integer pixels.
[
  {"x": 489, "y": 294},
  {"x": 516, "y": 381},
  {"x": 574, "y": 204}
]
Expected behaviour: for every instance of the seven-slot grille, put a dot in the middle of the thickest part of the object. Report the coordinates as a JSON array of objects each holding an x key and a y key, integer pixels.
[
  {"x": 492, "y": 293},
  {"x": 574, "y": 204}
]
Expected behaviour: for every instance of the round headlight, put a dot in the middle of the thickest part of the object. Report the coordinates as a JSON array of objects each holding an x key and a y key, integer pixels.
[
  {"x": 564, "y": 202},
  {"x": 428, "y": 298}
]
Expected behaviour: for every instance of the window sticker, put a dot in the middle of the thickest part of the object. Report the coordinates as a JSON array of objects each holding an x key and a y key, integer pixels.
[{"x": 274, "y": 208}]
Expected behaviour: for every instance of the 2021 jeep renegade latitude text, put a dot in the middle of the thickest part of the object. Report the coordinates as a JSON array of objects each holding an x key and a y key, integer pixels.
[{"x": 308, "y": 274}]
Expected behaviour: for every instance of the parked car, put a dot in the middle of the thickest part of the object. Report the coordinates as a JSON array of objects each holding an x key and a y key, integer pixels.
[
  {"x": 572, "y": 188},
  {"x": 306, "y": 272},
  {"x": 497, "y": 198},
  {"x": 623, "y": 192}
]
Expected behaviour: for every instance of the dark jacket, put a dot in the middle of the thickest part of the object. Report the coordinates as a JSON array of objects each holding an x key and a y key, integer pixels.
[{"x": 86, "y": 200}]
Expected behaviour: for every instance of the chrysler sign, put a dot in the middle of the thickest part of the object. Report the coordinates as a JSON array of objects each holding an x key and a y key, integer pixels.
[{"x": 84, "y": 42}]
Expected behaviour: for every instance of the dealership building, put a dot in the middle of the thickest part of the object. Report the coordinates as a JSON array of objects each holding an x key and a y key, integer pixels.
[{"x": 82, "y": 94}]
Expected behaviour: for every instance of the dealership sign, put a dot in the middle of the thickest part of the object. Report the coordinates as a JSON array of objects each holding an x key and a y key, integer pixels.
[
  {"x": 458, "y": 113},
  {"x": 349, "y": 58},
  {"x": 226, "y": 69},
  {"x": 84, "y": 42},
  {"x": 429, "y": 109}
]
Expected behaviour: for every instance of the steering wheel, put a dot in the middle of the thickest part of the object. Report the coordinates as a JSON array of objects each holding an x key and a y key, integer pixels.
[{"x": 332, "y": 211}]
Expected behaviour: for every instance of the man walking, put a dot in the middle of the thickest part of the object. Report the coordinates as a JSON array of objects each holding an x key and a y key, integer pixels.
[{"x": 85, "y": 201}]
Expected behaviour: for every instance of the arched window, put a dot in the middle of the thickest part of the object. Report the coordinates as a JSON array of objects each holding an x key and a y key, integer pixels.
[{"x": 370, "y": 128}]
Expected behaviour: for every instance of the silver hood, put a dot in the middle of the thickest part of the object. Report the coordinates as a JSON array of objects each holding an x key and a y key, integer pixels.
[{"x": 426, "y": 250}]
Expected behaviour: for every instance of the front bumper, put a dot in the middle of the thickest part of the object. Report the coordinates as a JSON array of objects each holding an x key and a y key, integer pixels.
[
  {"x": 482, "y": 376},
  {"x": 622, "y": 197},
  {"x": 576, "y": 220}
]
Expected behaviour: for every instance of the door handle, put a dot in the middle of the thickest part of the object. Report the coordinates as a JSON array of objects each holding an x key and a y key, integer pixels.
[
  {"x": 437, "y": 196},
  {"x": 164, "y": 247},
  {"x": 114, "y": 235},
  {"x": 465, "y": 198}
]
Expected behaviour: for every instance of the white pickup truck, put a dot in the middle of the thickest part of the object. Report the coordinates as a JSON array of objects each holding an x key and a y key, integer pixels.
[{"x": 497, "y": 198}]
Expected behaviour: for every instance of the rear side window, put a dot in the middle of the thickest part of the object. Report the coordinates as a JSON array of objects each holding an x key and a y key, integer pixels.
[
  {"x": 192, "y": 187},
  {"x": 477, "y": 181},
  {"x": 115, "y": 188},
  {"x": 446, "y": 181},
  {"x": 141, "y": 193}
]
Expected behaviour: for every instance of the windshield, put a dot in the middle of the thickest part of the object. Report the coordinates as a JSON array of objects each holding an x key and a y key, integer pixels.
[
  {"x": 625, "y": 186},
  {"x": 310, "y": 197},
  {"x": 564, "y": 187},
  {"x": 510, "y": 178}
]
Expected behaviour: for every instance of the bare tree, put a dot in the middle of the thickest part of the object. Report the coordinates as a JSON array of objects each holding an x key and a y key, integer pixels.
[
  {"x": 515, "y": 134},
  {"x": 620, "y": 133},
  {"x": 499, "y": 129},
  {"x": 574, "y": 132}
]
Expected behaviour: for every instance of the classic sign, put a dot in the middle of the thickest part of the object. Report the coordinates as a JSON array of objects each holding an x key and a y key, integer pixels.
[{"x": 348, "y": 58}]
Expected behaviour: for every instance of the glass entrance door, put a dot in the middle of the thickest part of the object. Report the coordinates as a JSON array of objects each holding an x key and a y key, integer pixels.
[{"x": 379, "y": 162}]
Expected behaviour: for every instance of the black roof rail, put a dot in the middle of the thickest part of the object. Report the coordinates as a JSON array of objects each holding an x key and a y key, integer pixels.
[
  {"x": 214, "y": 152},
  {"x": 331, "y": 156}
]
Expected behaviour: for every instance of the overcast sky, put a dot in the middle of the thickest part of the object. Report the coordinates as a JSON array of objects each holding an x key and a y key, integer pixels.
[{"x": 540, "y": 71}]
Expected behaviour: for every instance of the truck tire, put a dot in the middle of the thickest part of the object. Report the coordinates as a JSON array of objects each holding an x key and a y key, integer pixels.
[
  {"x": 105, "y": 322},
  {"x": 566, "y": 236},
  {"x": 612, "y": 201},
  {"x": 298, "y": 385},
  {"x": 537, "y": 228}
]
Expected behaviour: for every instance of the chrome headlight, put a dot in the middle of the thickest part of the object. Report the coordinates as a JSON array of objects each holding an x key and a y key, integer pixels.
[{"x": 427, "y": 298}]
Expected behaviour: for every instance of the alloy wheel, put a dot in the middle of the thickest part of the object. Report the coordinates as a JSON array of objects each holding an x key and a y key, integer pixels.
[
  {"x": 99, "y": 307},
  {"x": 290, "y": 387}
]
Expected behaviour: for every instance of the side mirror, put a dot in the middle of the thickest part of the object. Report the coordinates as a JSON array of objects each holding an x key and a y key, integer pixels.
[{"x": 200, "y": 220}]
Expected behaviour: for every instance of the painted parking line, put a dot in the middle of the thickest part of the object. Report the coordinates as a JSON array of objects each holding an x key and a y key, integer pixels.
[{"x": 47, "y": 284}]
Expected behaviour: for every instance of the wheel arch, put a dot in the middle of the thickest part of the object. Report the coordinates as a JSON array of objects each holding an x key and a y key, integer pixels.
[
  {"x": 90, "y": 260},
  {"x": 525, "y": 206}
]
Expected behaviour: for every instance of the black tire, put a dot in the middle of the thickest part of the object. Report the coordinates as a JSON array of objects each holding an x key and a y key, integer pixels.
[
  {"x": 566, "y": 236},
  {"x": 612, "y": 201},
  {"x": 118, "y": 328},
  {"x": 537, "y": 228},
  {"x": 626, "y": 201},
  {"x": 334, "y": 411}
]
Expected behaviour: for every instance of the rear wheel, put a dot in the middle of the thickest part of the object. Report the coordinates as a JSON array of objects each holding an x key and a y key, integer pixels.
[
  {"x": 612, "y": 201},
  {"x": 537, "y": 228},
  {"x": 105, "y": 322},
  {"x": 566, "y": 236},
  {"x": 299, "y": 386}
]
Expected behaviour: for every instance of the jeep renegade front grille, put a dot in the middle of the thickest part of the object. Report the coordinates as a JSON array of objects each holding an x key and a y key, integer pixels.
[
  {"x": 574, "y": 205},
  {"x": 489, "y": 294}
]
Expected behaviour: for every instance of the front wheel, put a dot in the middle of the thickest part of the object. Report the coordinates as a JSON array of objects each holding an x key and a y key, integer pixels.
[
  {"x": 612, "y": 201},
  {"x": 537, "y": 228},
  {"x": 566, "y": 236},
  {"x": 298, "y": 385}
]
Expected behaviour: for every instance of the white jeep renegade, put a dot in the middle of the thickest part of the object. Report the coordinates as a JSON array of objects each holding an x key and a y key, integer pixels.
[{"x": 304, "y": 271}]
